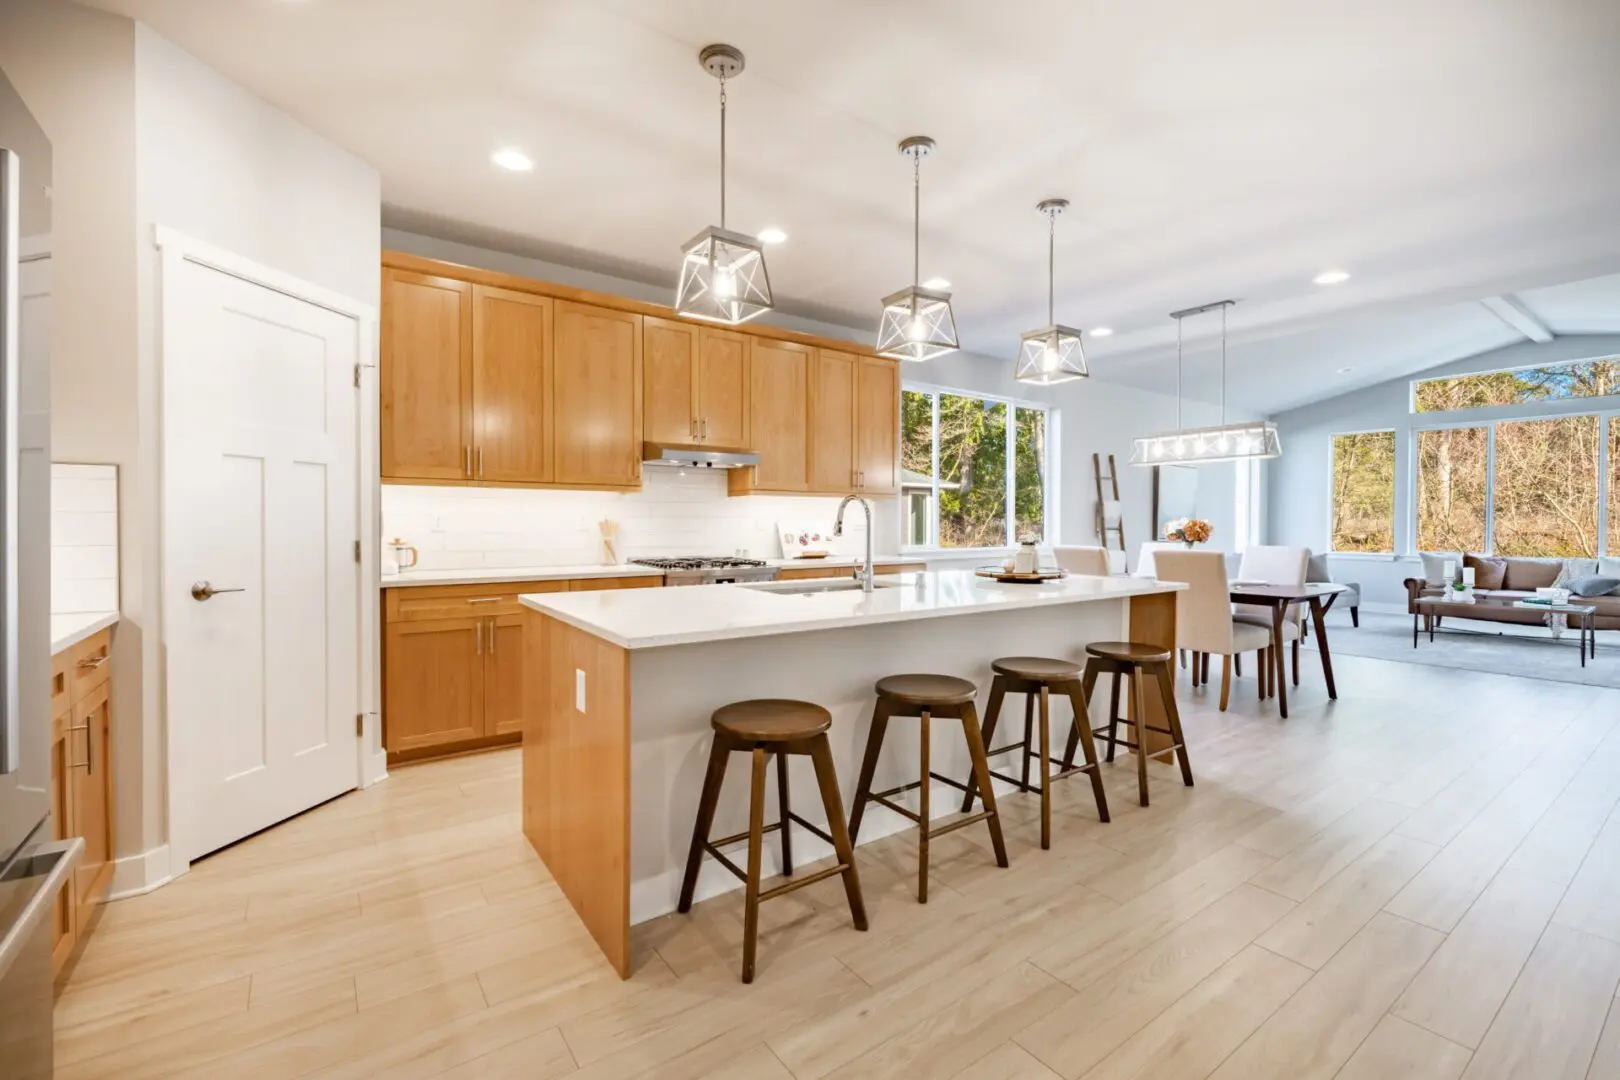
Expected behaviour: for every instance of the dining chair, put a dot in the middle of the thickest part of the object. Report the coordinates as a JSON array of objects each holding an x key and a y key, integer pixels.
[
  {"x": 1145, "y": 556},
  {"x": 1275, "y": 564},
  {"x": 1091, "y": 561},
  {"x": 1204, "y": 619}
]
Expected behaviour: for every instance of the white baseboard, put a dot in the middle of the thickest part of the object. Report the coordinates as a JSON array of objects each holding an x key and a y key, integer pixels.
[
  {"x": 374, "y": 769},
  {"x": 136, "y": 875}
]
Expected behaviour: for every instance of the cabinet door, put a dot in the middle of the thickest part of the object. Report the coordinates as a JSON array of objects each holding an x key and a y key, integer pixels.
[
  {"x": 877, "y": 427},
  {"x": 503, "y": 675},
  {"x": 723, "y": 383},
  {"x": 670, "y": 380},
  {"x": 433, "y": 683},
  {"x": 90, "y": 781},
  {"x": 778, "y": 397},
  {"x": 511, "y": 386},
  {"x": 603, "y": 584},
  {"x": 597, "y": 383},
  {"x": 832, "y": 422},
  {"x": 65, "y": 928},
  {"x": 426, "y": 377}
]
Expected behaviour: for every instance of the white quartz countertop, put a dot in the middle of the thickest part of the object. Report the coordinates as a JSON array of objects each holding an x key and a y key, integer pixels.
[
  {"x": 648, "y": 618},
  {"x": 494, "y": 574},
  {"x": 68, "y": 630}
]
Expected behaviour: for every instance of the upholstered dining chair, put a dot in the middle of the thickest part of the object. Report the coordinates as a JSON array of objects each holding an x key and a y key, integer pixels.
[
  {"x": 1146, "y": 553},
  {"x": 1092, "y": 561},
  {"x": 1204, "y": 619},
  {"x": 1275, "y": 564}
]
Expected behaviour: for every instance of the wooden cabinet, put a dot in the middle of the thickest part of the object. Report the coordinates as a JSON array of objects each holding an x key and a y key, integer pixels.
[
  {"x": 723, "y": 389},
  {"x": 695, "y": 385},
  {"x": 81, "y": 785},
  {"x": 779, "y": 426},
  {"x": 832, "y": 421},
  {"x": 816, "y": 573},
  {"x": 511, "y": 387},
  {"x": 453, "y": 663},
  {"x": 877, "y": 427},
  {"x": 426, "y": 376},
  {"x": 597, "y": 396}
]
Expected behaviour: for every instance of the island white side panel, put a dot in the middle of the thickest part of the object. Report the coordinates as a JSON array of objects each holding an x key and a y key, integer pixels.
[{"x": 674, "y": 691}]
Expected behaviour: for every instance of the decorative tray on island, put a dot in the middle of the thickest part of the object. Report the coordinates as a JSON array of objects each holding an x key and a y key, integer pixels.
[{"x": 997, "y": 573}]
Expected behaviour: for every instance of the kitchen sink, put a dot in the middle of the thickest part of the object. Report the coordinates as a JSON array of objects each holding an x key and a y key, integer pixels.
[{"x": 812, "y": 588}]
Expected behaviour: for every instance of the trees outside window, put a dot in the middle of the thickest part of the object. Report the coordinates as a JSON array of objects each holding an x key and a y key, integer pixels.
[
  {"x": 1451, "y": 474},
  {"x": 1614, "y": 485},
  {"x": 1364, "y": 491},
  {"x": 1546, "y": 489},
  {"x": 968, "y": 459},
  {"x": 1555, "y": 382}
]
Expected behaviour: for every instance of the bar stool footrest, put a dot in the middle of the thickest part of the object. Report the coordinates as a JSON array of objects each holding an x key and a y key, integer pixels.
[{"x": 800, "y": 882}]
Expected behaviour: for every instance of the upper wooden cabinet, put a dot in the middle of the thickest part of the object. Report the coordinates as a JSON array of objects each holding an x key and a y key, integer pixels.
[
  {"x": 695, "y": 384},
  {"x": 723, "y": 389},
  {"x": 426, "y": 377},
  {"x": 511, "y": 387},
  {"x": 596, "y": 384},
  {"x": 778, "y": 395},
  {"x": 832, "y": 421},
  {"x": 877, "y": 427}
]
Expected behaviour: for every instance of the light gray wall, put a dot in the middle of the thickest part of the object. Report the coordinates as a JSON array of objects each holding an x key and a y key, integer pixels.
[
  {"x": 1094, "y": 416},
  {"x": 1300, "y": 480}
]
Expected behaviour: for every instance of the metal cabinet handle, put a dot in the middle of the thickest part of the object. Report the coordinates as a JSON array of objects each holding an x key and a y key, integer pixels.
[
  {"x": 478, "y": 638},
  {"x": 705, "y": 429},
  {"x": 88, "y": 765},
  {"x": 484, "y": 600},
  {"x": 203, "y": 590},
  {"x": 467, "y": 462},
  {"x": 480, "y": 463},
  {"x": 96, "y": 661},
  {"x": 492, "y": 637}
]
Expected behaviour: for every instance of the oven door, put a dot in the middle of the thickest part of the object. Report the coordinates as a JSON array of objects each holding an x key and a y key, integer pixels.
[{"x": 28, "y": 891}]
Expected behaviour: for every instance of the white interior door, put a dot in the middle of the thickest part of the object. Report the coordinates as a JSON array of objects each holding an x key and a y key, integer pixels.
[{"x": 260, "y": 492}]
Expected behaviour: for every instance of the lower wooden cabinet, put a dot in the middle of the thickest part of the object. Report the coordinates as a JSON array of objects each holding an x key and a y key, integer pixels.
[
  {"x": 815, "y": 573},
  {"x": 81, "y": 785},
  {"x": 453, "y": 663}
]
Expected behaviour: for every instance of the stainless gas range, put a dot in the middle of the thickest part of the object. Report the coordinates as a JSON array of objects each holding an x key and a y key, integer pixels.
[{"x": 699, "y": 570}]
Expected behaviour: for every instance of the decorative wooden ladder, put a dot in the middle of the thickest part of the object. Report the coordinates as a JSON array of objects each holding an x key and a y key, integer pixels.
[{"x": 1105, "y": 531}]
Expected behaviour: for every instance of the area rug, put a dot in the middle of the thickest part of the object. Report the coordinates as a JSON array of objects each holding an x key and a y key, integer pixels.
[{"x": 1494, "y": 647}]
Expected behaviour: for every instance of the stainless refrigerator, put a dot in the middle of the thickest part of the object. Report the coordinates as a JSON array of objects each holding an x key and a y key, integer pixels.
[{"x": 33, "y": 867}]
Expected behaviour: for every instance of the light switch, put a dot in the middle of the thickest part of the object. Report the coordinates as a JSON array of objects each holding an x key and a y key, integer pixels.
[{"x": 579, "y": 689}]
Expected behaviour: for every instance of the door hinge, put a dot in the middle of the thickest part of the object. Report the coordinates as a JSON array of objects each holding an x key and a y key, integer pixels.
[
  {"x": 357, "y": 551},
  {"x": 359, "y": 725},
  {"x": 357, "y": 376}
]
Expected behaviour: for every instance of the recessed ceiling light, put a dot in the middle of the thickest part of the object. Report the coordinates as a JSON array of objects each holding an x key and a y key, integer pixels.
[
  {"x": 772, "y": 235},
  {"x": 512, "y": 159},
  {"x": 1102, "y": 331},
  {"x": 1344, "y": 371},
  {"x": 936, "y": 283},
  {"x": 1331, "y": 277}
]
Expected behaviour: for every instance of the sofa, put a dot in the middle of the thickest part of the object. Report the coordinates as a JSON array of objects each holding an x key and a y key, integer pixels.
[
  {"x": 1317, "y": 573},
  {"x": 1522, "y": 577}
]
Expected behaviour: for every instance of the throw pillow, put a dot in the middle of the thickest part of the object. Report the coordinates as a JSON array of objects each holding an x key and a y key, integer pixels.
[
  {"x": 1609, "y": 565},
  {"x": 1595, "y": 585},
  {"x": 1434, "y": 567},
  {"x": 1572, "y": 569},
  {"x": 1489, "y": 573}
]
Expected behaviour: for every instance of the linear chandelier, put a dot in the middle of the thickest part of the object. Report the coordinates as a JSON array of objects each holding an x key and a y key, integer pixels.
[
  {"x": 723, "y": 276},
  {"x": 1244, "y": 441},
  {"x": 917, "y": 322},
  {"x": 1053, "y": 354}
]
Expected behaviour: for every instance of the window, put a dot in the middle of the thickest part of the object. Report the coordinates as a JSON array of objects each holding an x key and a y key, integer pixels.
[
  {"x": 1451, "y": 472},
  {"x": 1614, "y": 485},
  {"x": 1364, "y": 491},
  {"x": 975, "y": 470},
  {"x": 1546, "y": 487},
  {"x": 1555, "y": 382}
]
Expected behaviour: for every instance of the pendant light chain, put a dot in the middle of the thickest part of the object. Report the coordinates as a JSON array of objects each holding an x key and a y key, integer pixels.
[
  {"x": 722, "y": 150},
  {"x": 1223, "y": 364},
  {"x": 1051, "y": 267},
  {"x": 916, "y": 217},
  {"x": 1178, "y": 373}
]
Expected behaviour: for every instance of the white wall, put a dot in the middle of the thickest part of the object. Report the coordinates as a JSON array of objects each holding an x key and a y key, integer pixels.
[
  {"x": 1299, "y": 483},
  {"x": 1094, "y": 416}
]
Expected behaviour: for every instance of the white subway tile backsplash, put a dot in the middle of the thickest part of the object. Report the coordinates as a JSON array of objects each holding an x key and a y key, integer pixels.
[{"x": 84, "y": 538}]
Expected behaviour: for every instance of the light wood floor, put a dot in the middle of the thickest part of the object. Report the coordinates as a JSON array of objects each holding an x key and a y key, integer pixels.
[{"x": 1422, "y": 880}]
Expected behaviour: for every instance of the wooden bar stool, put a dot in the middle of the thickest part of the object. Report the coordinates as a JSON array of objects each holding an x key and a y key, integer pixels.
[
  {"x": 1132, "y": 662},
  {"x": 927, "y": 697},
  {"x": 763, "y": 728},
  {"x": 1039, "y": 677}
]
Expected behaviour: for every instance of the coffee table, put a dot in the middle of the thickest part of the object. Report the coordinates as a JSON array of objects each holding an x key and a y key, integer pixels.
[{"x": 1583, "y": 615}]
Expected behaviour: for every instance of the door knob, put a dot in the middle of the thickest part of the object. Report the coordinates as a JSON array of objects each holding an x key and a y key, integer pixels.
[{"x": 202, "y": 590}]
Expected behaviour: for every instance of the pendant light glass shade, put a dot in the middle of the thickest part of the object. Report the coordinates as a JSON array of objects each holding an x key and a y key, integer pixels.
[
  {"x": 723, "y": 277},
  {"x": 1250, "y": 440},
  {"x": 917, "y": 323},
  {"x": 1053, "y": 354}
]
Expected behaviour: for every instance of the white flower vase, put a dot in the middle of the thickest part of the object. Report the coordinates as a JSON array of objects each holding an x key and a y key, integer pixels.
[{"x": 1557, "y": 622}]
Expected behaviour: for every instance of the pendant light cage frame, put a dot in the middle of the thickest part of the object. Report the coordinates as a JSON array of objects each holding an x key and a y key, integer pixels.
[
  {"x": 1055, "y": 353},
  {"x": 917, "y": 323},
  {"x": 723, "y": 278},
  {"x": 1254, "y": 440}
]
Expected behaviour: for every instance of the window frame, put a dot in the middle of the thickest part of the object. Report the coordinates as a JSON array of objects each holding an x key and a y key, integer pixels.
[
  {"x": 1394, "y": 492},
  {"x": 1049, "y": 487}
]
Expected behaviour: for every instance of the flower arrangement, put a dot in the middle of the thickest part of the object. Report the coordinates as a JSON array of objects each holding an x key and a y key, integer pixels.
[{"x": 1189, "y": 531}]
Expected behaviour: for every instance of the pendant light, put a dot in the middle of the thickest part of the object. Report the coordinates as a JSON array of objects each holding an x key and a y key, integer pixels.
[
  {"x": 1246, "y": 441},
  {"x": 723, "y": 276},
  {"x": 917, "y": 322},
  {"x": 1052, "y": 354}
]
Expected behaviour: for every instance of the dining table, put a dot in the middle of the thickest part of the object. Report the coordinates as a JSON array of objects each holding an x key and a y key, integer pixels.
[{"x": 1319, "y": 596}]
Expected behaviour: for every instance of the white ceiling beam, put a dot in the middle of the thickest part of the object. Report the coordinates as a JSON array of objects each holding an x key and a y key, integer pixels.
[{"x": 1511, "y": 310}]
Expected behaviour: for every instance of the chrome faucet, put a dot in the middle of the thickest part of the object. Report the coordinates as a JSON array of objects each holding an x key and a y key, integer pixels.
[{"x": 838, "y": 530}]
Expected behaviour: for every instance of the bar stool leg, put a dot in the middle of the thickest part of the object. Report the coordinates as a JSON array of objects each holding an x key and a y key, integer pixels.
[
  {"x": 1082, "y": 716},
  {"x": 863, "y": 786},
  {"x": 998, "y": 692},
  {"x": 833, "y": 803},
  {"x": 1167, "y": 690},
  {"x": 981, "y": 769},
  {"x": 719, "y": 751},
  {"x": 1029, "y": 739},
  {"x": 756, "y": 847},
  {"x": 782, "y": 807},
  {"x": 1046, "y": 767},
  {"x": 1138, "y": 716},
  {"x": 922, "y": 812},
  {"x": 1113, "y": 713},
  {"x": 1081, "y": 735}
]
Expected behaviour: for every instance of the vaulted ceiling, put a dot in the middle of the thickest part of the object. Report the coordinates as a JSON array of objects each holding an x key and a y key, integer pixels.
[{"x": 1440, "y": 151}]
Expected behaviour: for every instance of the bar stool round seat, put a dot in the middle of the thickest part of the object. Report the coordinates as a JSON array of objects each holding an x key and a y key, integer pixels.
[
  {"x": 927, "y": 689},
  {"x": 1128, "y": 652},
  {"x": 771, "y": 720},
  {"x": 1035, "y": 668}
]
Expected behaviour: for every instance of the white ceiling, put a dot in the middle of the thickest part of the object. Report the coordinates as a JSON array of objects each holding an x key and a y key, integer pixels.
[{"x": 1441, "y": 151}]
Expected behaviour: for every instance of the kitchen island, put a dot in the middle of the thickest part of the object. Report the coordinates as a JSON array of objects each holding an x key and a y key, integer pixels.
[{"x": 619, "y": 688}]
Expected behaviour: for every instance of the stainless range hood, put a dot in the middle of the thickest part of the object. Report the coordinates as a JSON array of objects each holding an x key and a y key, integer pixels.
[{"x": 692, "y": 454}]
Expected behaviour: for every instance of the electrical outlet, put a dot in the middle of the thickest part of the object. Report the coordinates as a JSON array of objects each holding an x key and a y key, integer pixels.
[{"x": 579, "y": 689}]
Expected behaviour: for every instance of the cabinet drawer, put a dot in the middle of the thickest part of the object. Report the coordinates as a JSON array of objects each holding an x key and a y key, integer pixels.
[
  {"x": 900, "y": 567},
  {"x": 463, "y": 601},
  {"x": 61, "y": 690},
  {"x": 600, "y": 583},
  {"x": 814, "y": 573},
  {"x": 89, "y": 664}
]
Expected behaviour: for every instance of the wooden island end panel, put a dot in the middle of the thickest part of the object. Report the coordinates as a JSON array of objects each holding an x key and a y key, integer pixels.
[
  {"x": 576, "y": 774},
  {"x": 1153, "y": 622}
]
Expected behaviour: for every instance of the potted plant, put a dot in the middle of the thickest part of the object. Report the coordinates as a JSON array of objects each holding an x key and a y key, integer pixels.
[{"x": 1189, "y": 531}]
